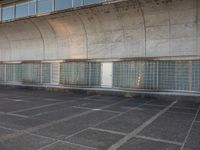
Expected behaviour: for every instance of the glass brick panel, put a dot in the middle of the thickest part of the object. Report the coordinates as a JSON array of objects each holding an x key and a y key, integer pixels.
[
  {"x": 2, "y": 72},
  {"x": 46, "y": 73},
  {"x": 83, "y": 74},
  {"x": 31, "y": 73},
  {"x": 9, "y": 72}
]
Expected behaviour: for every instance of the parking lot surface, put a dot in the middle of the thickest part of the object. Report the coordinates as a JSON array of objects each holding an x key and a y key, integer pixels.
[{"x": 40, "y": 120}]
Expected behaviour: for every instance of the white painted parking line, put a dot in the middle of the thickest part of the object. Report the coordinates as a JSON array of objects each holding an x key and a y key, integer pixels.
[
  {"x": 8, "y": 128},
  {"x": 47, "y": 146},
  {"x": 158, "y": 140},
  {"x": 115, "y": 116},
  {"x": 108, "y": 131},
  {"x": 12, "y": 114},
  {"x": 185, "y": 141},
  {"x": 96, "y": 109},
  {"x": 21, "y": 132},
  {"x": 140, "y": 128},
  {"x": 37, "y": 107},
  {"x": 18, "y": 100},
  {"x": 57, "y": 141}
]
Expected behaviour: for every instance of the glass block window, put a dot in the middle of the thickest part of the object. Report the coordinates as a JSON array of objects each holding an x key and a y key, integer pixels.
[
  {"x": 77, "y": 3},
  {"x": 87, "y": 2},
  {"x": 166, "y": 75},
  {"x": 63, "y": 4},
  {"x": 0, "y": 15},
  {"x": 2, "y": 66},
  {"x": 196, "y": 76},
  {"x": 9, "y": 72},
  {"x": 8, "y": 12},
  {"x": 80, "y": 74},
  {"x": 45, "y": 6},
  {"x": 46, "y": 73},
  {"x": 22, "y": 9},
  {"x": 157, "y": 75},
  {"x": 18, "y": 72},
  {"x": 31, "y": 73},
  {"x": 32, "y": 7}
]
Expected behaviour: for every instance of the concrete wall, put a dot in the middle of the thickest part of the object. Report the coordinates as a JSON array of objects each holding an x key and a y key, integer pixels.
[{"x": 134, "y": 28}]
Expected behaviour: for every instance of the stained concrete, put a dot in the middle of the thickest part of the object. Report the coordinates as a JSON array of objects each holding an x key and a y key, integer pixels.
[
  {"x": 125, "y": 28},
  {"x": 44, "y": 120}
]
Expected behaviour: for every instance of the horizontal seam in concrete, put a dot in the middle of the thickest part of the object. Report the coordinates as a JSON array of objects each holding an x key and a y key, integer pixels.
[
  {"x": 158, "y": 140},
  {"x": 172, "y": 24},
  {"x": 140, "y": 128}
]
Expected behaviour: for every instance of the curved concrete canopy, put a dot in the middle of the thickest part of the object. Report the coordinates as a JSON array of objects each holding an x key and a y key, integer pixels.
[{"x": 133, "y": 28}]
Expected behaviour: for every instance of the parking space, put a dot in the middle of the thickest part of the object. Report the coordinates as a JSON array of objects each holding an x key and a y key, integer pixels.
[{"x": 40, "y": 120}]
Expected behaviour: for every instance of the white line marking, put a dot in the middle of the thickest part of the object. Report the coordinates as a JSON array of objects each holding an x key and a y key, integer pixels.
[
  {"x": 96, "y": 109},
  {"x": 140, "y": 128},
  {"x": 189, "y": 131},
  {"x": 37, "y": 107},
  {"x": 49, "y": 145},
  {"x": 12, "y": 114},
  {"x": 158, "y": 140},
  {"x": 108, "y": 131},
  {"x": 115, "y": 116},
  {"x": 21, "y": 132}
]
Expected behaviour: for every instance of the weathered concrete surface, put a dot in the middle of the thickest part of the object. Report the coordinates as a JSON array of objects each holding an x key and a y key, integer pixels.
[
  {"x": 133, "y": 28},
  {"x": 39, "y": 120}
]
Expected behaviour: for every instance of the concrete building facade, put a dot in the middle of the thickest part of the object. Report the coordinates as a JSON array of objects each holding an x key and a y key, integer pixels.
[{"x": 129, "y": 44}]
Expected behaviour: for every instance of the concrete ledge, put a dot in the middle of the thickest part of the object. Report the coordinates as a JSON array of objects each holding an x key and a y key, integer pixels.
[{"x": 107, "y": 91}]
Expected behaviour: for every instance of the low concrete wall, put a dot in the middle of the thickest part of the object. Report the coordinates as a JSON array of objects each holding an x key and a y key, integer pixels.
[{"x": 112, "y": 92}]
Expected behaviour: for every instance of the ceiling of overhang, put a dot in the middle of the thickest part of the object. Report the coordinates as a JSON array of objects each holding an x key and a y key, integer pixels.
[{"x": 7, "y": 1}]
